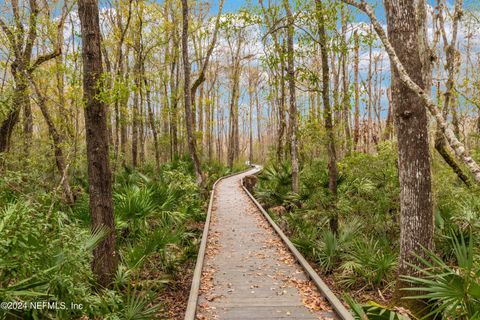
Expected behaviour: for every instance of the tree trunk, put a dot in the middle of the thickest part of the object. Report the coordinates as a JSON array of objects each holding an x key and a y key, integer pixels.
[
  {"x": 293, "y": 106},
  {"x": 100, "y": 179},
  {"x": 135, "y": 117},
  {"x": 345, "y": 87},
  {"x": 327, "y": 111},
  {"x": 356, "y": 126},
  {"x": 406, "y": 24},
  {"x": 174, "y": 107},
  {"x": 370, "y": 99},
  {"x": 57, "y": 145},
  {"x": 233, "y": 141},
  {"x": 153, "y": 126},
  {"x": 188, "y": 100},
  {"x": 388, "y": 133},
  {"x": 250, "y": 119}
]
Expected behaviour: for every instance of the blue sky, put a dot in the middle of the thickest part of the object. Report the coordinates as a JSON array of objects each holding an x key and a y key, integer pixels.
[{"x": 234, "y": 5}]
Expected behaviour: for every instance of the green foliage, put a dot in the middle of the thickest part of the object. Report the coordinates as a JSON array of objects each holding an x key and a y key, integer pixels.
[
  {"x": 375, "y": 311},
  {"x": 58, "y": 255},
  {"x": 368, "y": 262},
  {"x": 154, "y": 215},
  {"x": 366, "y": 203},
  {"x": 454, "y": 291},
  {"x": 275, "y": 184},
  {"x": 363, "y": 255}
]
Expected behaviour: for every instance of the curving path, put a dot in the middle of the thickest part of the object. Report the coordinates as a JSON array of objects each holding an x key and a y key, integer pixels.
[{"x": 248, "y": 273}]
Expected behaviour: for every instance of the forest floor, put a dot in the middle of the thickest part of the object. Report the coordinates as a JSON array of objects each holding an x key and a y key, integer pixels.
[{"x": 248, "y": 272}]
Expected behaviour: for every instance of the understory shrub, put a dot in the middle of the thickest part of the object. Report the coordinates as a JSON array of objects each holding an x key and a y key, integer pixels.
[{"x": 46, "y": 247}]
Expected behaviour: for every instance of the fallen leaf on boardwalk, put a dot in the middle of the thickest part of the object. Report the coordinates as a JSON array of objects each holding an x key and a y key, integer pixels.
[
  {"x": 311, "y": 298},
  {"x": 213, "y": 297}
]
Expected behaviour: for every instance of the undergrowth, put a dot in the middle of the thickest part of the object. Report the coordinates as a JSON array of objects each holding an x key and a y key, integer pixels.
[
  {"x": 362, "y": 257},
  {"x": 46, "y": 246}
]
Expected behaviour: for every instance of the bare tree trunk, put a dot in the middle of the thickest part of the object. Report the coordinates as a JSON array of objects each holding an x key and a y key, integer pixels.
[
  {"x": 370, "y": 98},
  {"x": 234, "y": 141},
  {"x": 250, "y": 118},
  {"x": 327, "y": 110},
  {"x": 356, "y": 126},
  {"x": 151, "y": 118},
  {"x": 174, "y": 107},
  {"x": 135, "y": 117},
  {"x": 209, "y": 122},
  {"x": 124, "y": 114},
  {"x": 188, "y": 100},
  {"x": 259, "y": 121},
  {"x": 452, "y": 70},
  {"x": 141, "y": 121},
  {"x": 201, "y": 101},
  {"x": 293, "y": 106},
  {"x": 411, "y": 121},
  {"x": 345, "y": 87},
  {"x": 100, "y": 178},
  {"x": 388, "y": 133}
]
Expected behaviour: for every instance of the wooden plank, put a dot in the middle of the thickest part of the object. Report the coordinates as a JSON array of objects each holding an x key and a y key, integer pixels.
[
  {"x": 321, "y": 285},
  {"x": 197, "y": 274}
]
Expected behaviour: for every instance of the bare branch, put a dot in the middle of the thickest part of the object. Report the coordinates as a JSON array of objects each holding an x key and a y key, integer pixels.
[
  {"x": 458, "y": 147},
  {"x": 201, "y": 76}
]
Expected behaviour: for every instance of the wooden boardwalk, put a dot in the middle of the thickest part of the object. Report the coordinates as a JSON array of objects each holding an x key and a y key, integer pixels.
[{"x": 248, "y": 273}]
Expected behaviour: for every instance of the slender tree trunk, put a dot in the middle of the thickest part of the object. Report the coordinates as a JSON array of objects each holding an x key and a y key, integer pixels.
[
  {"x": 281, "y": 106},
  {"x": 345, "y": 87},
  {"x": 209, "y": 121},
  {"x": 135, "y": 117},
  {"x": 58, "y": 141},
  {"x": 188, "y": 100},
  {"x": 151, "y": 118},
  {"x": 124, "y": 113},
  {"x": 356, "y": 126},
  {"x": 327, "y": 110},
  {"x": 250, "y": 119},
  {"x": 234, "y": 138},
  {"x": 99, "y": 175},
  {"x": 141, "y": 121},
  {"x": 388, "y": 133},
  {"x": 370, "y": 98},
  {"x": 293, "y": 106},
  {"x": 259, "y": 121},
  {"x": 174, "y": 107}
]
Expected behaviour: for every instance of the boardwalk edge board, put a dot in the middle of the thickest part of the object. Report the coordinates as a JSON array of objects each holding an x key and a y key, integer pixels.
[
  {"x": 191, "y": 310},
  {"x": 337, "y": 305}
]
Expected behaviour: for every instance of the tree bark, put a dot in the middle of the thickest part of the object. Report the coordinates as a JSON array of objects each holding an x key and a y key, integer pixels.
[
  {"x": 188, "y": 100},
  {"x": 100, "y": 179},
  {"x": 151, "y": 118},
  {"x": 406, "y": 24},
  {"x": 327, "y": 111},
  {"x": 345, "y": 87},
  {"x": 356, "y": 126},
  {"x": 293, "y": 106}
]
